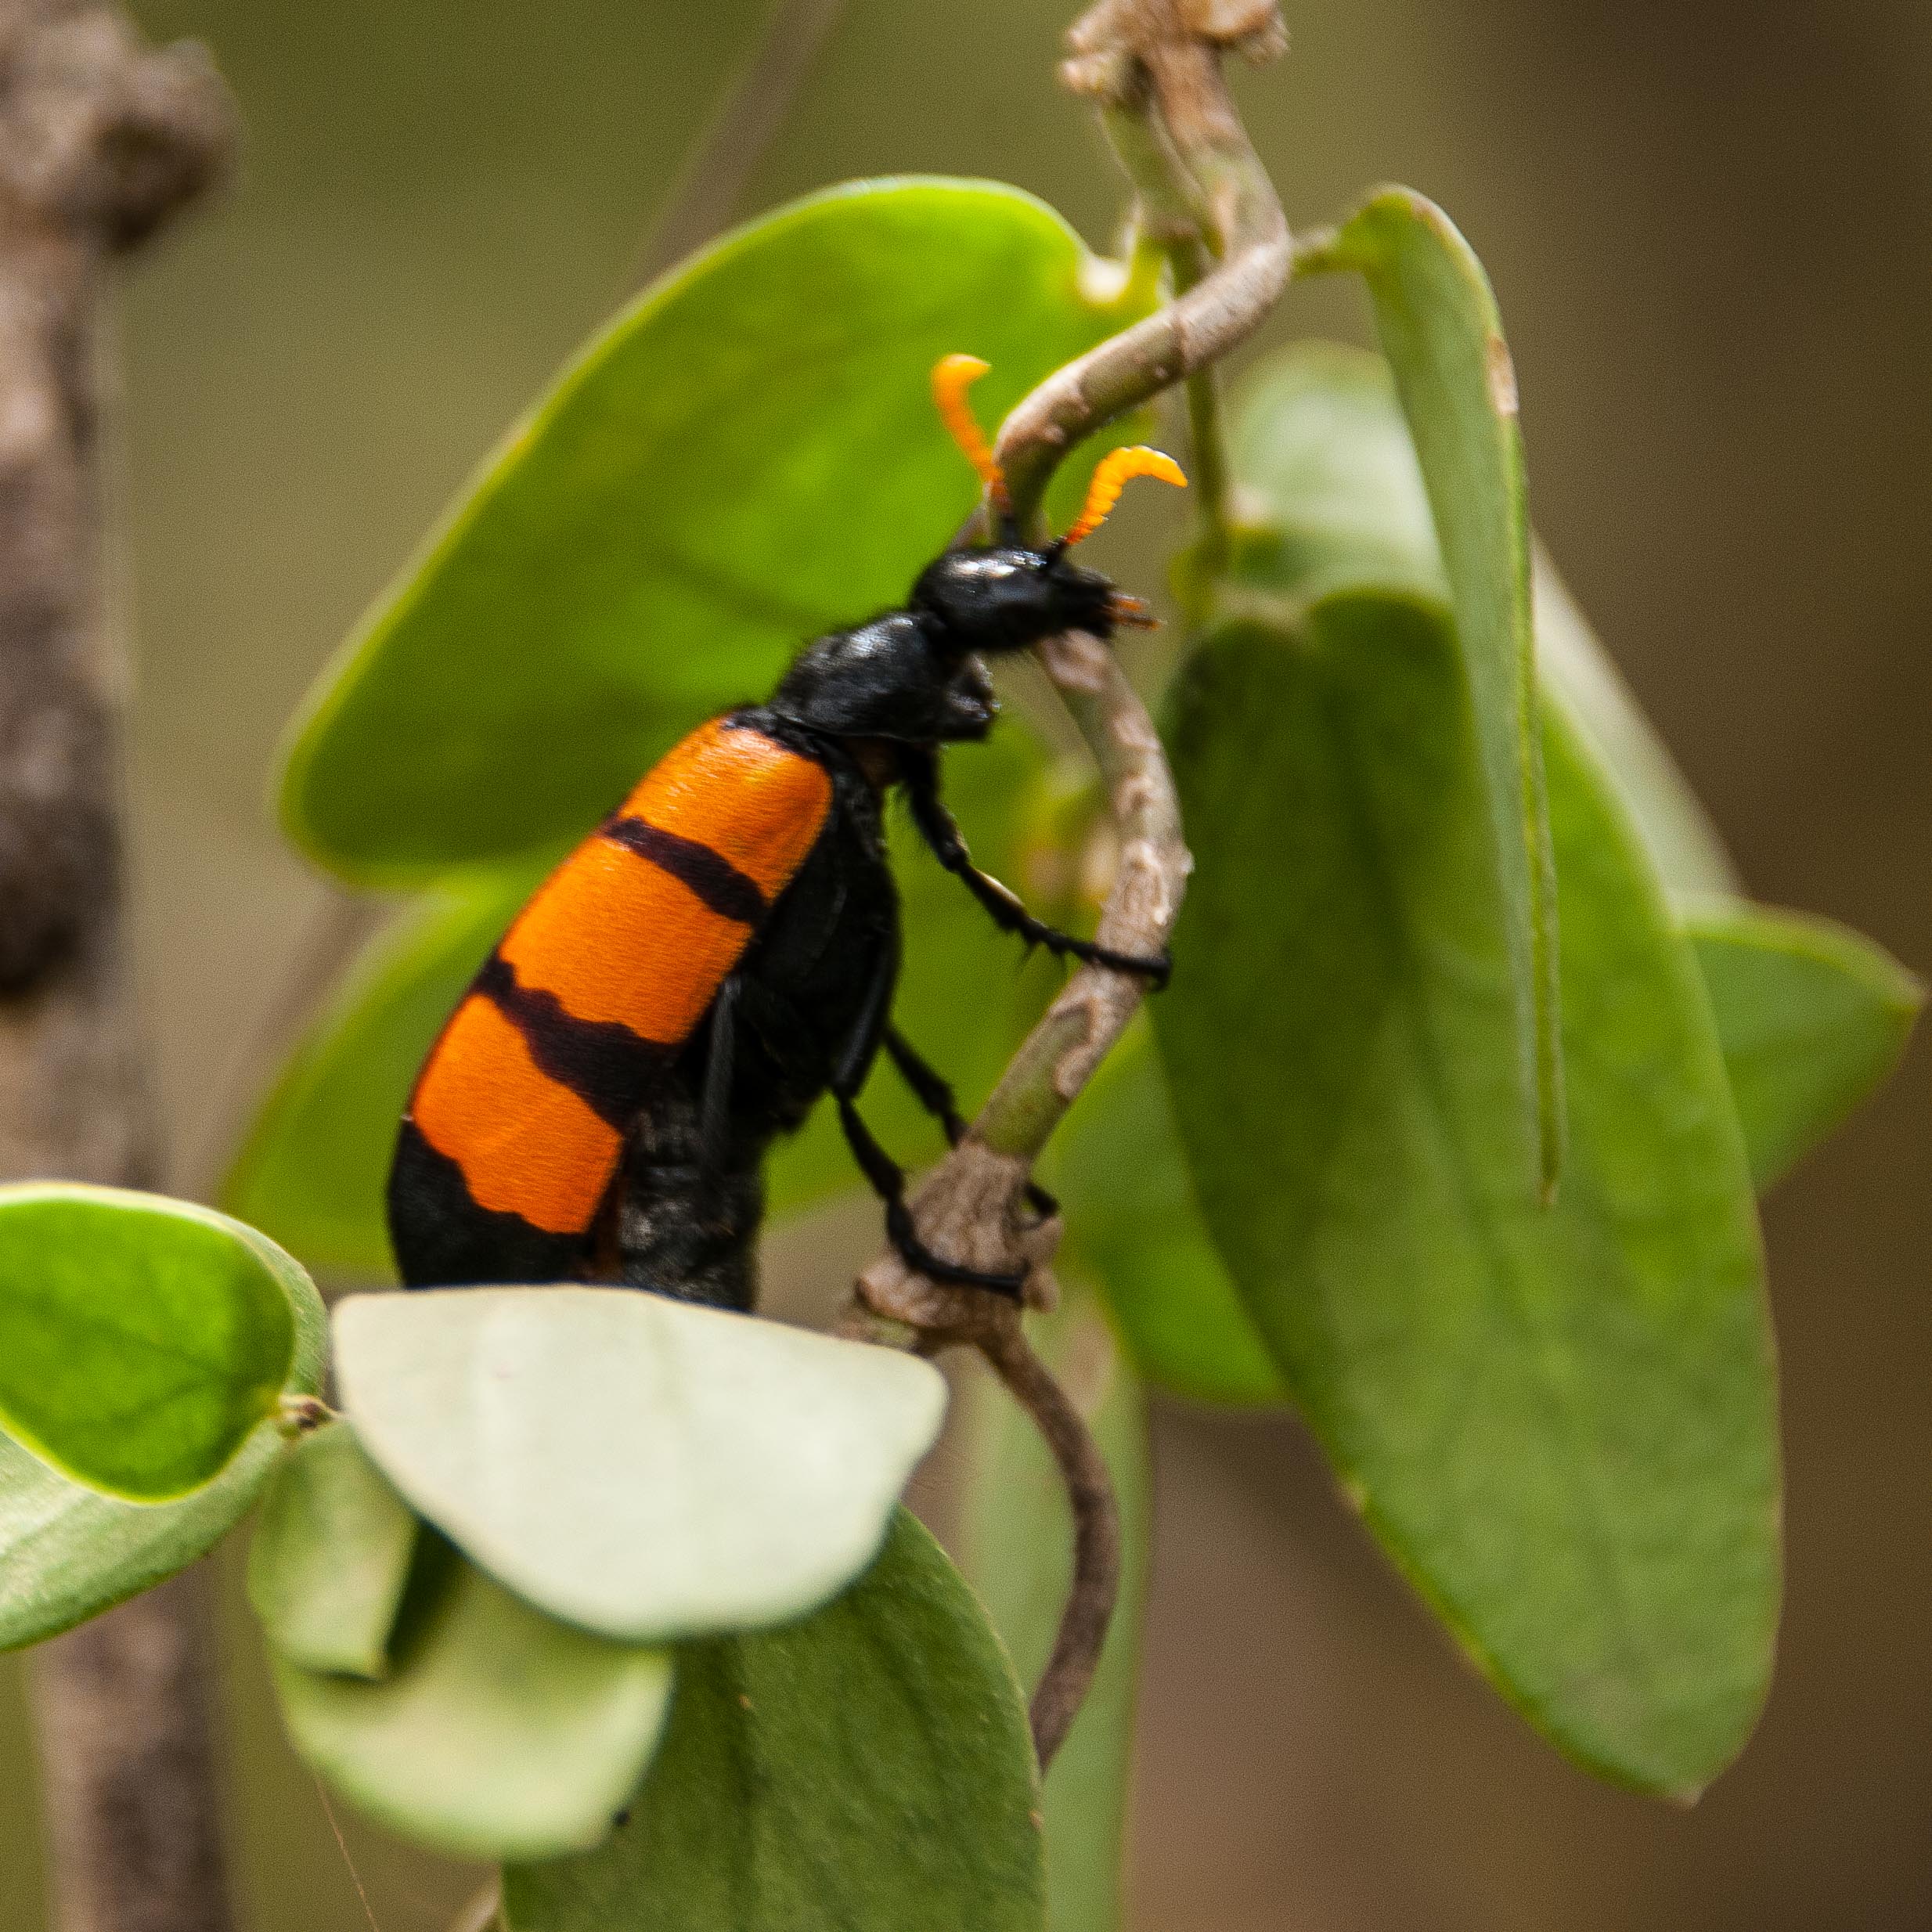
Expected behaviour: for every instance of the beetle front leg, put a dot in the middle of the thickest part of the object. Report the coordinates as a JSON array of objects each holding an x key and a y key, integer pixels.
[{"x": 920, "y": 773}]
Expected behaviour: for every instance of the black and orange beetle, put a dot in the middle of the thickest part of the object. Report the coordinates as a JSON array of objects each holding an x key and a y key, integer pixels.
[{"x": 723, "y": 950}]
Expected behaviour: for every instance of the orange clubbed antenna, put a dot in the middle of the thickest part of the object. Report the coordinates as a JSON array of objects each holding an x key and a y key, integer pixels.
[
  {"x": 1118, "y": 468},
  {"x": 952, "y": 377}
]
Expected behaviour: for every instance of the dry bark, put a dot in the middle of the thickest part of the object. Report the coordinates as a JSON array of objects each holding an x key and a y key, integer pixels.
[{"x": 101, "y": 140}]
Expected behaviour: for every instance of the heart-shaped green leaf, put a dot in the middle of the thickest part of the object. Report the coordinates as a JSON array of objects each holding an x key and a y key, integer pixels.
[
  {"x": 1813, "y": 1018},
  {"x": 499, "y": 1732},
  {"x": 142, "y": 1339},
  {"x": 1438, "y": 322},
  {"x": 1561, "y": 1421},
  {"x": 1321, "y": 446},
  {"x": 68, "y": 1552},
  {"x": 747, "y": 456},
  {"x": 330, "y": 1557},
  {"x": 868, "y": 1770},
  {"x": 1132, "y": 1224},
  {"x": 1018, "y": 1541},
  {"x": 643, "y": 1467}
]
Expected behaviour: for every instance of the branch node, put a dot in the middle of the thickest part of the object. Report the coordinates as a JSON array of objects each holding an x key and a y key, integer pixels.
[{"x": 101, "y": 137}]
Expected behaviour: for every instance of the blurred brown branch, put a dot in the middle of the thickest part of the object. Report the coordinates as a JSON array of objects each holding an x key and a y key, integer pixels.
[{"x": 102, "y": 141}]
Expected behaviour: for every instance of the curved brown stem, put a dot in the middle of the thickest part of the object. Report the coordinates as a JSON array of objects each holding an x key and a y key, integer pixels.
[
  {"x": 1155, "y": 66},
  {"x": 1063, "y": 1684},
  {"x": 899, "y": 1309}
]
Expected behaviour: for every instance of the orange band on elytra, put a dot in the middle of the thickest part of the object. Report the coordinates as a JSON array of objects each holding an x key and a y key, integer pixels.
[
  {"x": 952, "y": 377},
  {"x": 1117, "y": 468},
  {"x": 526, "y": 1143}
]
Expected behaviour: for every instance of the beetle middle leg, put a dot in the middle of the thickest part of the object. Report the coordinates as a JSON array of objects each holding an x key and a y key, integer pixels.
[{"x": 887, "y": 1177}]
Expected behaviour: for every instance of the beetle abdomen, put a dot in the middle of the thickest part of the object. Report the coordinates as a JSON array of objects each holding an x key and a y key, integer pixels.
[{"x": 522, "y": 1107}]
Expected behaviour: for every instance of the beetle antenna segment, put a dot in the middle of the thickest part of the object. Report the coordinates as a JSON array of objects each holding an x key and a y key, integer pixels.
[
  {"x": 952, "y": 377},
  {"x": 1118, "y": 468}
]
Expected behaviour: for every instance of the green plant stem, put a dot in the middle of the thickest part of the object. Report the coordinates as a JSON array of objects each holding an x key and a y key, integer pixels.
[
  {"x": 1059, "y": 1056},
  {"x": 1204, "y": 196},
  {"x": 1213, "y": 478}
]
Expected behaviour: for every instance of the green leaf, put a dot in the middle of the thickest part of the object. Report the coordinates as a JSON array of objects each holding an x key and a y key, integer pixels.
[
  {"x": 1133, "y": 1224},
  {"x": 1019, "y": 1541},
  {"x": 498, "y": 1733},
  {"x": 1321, "y": 446},
  {"x": 330, "y": 1557},
  {"x": 1812, "y": 1018},
  {"x": 1439, "y": 327},
  {"x": 141, "y": 1339},
  {"x": 868, "y": 1770},
  {"x": 643, "y": 1467},
  {"x": 1318, "y": 440},
  {"x": 748, "y": 456},
  {"x": 68, "y": 1552},
  {"x": 313, "y": 1169},
  {"x": 1560, "y": 1422}
]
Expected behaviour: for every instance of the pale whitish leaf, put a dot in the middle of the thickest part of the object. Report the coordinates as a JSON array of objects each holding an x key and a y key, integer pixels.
[{"x": 643, "y": 1467}]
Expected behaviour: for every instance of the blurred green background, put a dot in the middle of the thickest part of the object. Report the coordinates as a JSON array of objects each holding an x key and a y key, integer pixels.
[{"x": 1707, "y": 223}]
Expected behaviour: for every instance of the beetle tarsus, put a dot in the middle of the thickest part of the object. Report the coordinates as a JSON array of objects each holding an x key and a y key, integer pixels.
[{"x": 918, "y": 1257}]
